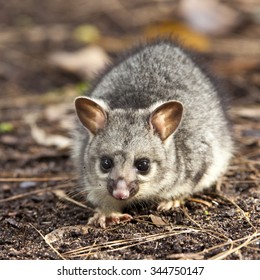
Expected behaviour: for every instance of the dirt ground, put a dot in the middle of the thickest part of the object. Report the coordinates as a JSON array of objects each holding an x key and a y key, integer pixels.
[{"x": 42, "y": 214}]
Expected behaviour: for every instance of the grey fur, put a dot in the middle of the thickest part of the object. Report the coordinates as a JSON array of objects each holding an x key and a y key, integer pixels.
[{"x": 192, "y": 159}]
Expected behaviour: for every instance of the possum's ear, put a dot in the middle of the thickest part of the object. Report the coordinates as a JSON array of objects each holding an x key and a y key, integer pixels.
[
  {"x": 91, "y": 114},
  {"x": 166, "y": 118}
]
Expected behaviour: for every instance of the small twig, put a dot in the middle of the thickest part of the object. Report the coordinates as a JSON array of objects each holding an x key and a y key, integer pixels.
[
  {"x": 201, "y": 201},
  {"x": 34, "y": 179},
  {"x": 22, "y": 195}
]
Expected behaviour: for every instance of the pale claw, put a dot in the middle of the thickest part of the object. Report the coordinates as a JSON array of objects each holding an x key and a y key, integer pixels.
[
  {"x": 103, "y": 221},
  {"x": 168, "y": 205}
]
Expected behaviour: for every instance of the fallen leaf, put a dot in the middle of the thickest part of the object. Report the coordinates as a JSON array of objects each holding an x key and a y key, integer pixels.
[
  {"x": 209, "y": 17},
  {"x": 44, "y": 139},
  {"x": 157, "y": 221},
  {"x": 180, "y": 31},
  {"x": 86, "y": 62},
  {"x": 61, "y": 113},
  {"x": 59, "y": 233}
]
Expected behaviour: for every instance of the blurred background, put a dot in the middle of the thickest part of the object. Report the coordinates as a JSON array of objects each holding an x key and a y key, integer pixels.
[{"x": 50, "y": 51}]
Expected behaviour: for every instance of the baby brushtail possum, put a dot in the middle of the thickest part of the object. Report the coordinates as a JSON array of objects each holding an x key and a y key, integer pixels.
[{"x": 153, "y": 128}]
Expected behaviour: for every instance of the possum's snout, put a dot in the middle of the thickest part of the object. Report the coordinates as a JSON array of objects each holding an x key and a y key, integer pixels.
[{"x": 121, "y": 189}]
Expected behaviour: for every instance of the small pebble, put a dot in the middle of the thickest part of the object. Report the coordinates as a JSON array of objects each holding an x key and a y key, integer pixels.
[
  {"x": 231, "y": 212},
  {"x": 27, "y": 184},
  {"x": 12, "y": 222}
]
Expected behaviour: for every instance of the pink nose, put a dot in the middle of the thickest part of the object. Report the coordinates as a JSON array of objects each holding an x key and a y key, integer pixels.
[{"x": 121, "y": 190}]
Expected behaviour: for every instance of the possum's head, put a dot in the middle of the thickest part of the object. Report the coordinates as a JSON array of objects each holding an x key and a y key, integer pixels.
[{"x": 128, "y": 153}]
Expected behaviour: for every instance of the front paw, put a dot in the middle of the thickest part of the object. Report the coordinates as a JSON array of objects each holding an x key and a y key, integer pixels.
[
  {"x": 167, "y": 205},
  {"x": 102, "y": 220}
]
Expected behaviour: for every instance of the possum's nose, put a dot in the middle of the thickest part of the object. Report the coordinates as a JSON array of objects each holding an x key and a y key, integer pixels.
[{"x": 122, "y": 190}]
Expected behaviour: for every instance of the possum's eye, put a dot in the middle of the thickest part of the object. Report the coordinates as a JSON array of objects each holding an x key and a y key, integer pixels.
[
  {"x": 143, "y": 165},
  {"x": 106, "y": 164}
]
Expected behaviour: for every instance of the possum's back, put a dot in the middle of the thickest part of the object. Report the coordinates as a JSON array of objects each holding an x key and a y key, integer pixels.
[{"x": 159, "y": 72}]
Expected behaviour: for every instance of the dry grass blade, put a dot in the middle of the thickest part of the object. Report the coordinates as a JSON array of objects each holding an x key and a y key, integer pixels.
[
  {"x": 207, "y": 231},
  {"x": 199, "y": 255},
  {"x": 117, "y": 245},
  {"x": 239, "y": 209},
  {"x": 232, "y": 243},
  {"x": 49, "y": 244},
  {"x": 249, "y": 239},
  {"x": 206, "y": 203},
  {"x": 189, "y": 217},
  {"x": 155, "y": 237},
  {"x": 62, "y": 195},
  {"x": 123, "y": 244},
  {"x": 33, "y": 179},
  {"x": 23, "y": 195}
]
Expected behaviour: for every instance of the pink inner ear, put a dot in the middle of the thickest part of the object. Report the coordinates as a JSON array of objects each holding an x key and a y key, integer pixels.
[
  {"x": 166, "y": 118},
  {"x": 158, "y": 122},
  {"x": 91, "y": 114}
]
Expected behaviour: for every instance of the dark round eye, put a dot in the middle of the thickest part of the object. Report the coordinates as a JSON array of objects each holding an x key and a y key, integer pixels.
[
  {"x": 106, "y": 164},
  {"x": 143, "y": 165}
]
